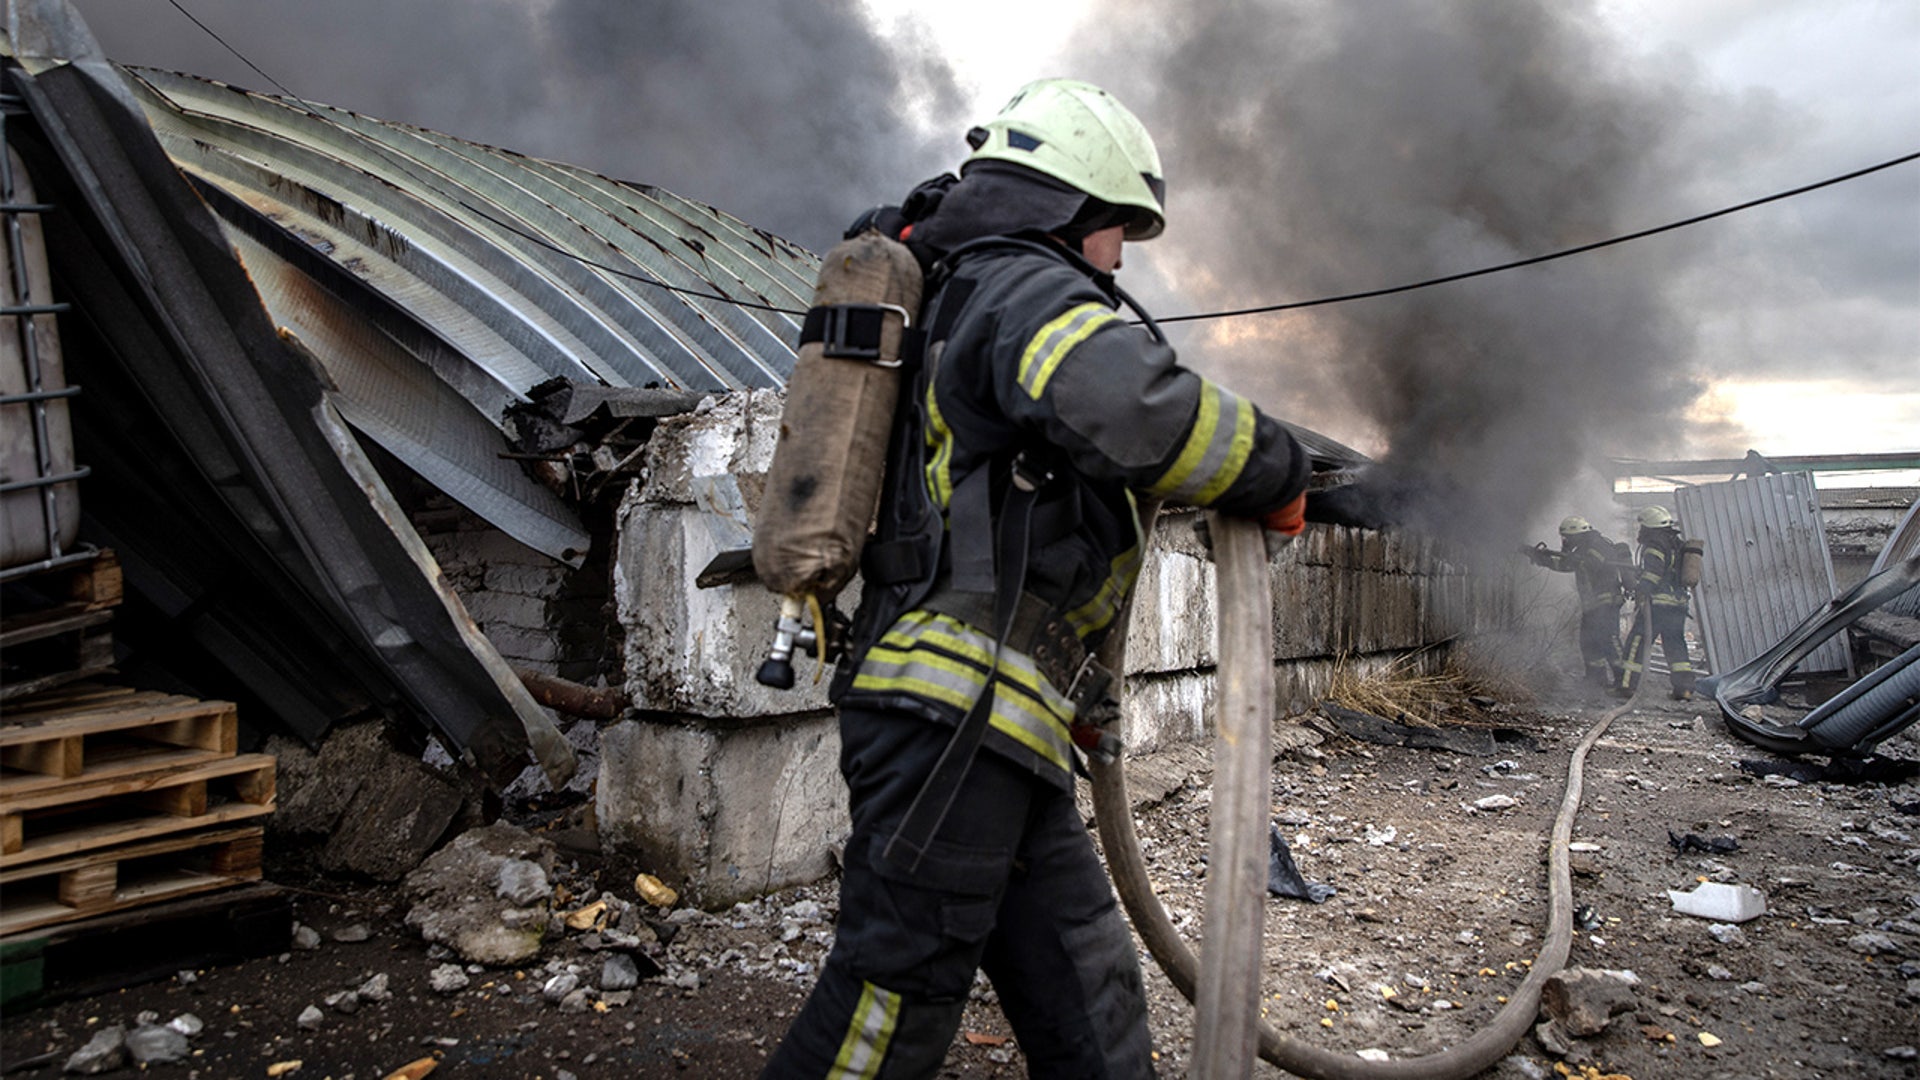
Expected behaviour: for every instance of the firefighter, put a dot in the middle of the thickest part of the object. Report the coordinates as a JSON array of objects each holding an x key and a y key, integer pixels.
[
  {"x": 1658, "y": 586},
  {"x": 1037, "y": 417},
  {"x": 1589, "y": 557}
]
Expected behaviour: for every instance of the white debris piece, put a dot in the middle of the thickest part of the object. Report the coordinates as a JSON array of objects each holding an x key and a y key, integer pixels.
[{"x": 1721, "y": 903}]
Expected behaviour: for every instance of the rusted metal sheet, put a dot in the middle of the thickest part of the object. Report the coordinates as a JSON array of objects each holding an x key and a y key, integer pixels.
[
  {"x": 393, "y": 399},
  {"x": 438, "y": 280},
  {"x": 1766, "y": 566}
]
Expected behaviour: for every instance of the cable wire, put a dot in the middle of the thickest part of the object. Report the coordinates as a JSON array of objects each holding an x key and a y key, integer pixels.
[
  {"x": 208, "y": 30},
  {"x": 1670, "y": 226}
]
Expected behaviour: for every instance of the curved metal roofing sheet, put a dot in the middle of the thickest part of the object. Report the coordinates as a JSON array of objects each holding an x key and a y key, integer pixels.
[{"x": 522, "y": 264}]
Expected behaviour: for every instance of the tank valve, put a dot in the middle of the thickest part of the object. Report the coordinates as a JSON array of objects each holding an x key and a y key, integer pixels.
[
  {"x": 794, "y": 633},
  {"x": 789, "y": 633}
]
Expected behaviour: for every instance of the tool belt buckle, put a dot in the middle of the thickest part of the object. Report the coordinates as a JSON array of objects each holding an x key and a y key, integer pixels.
[
  {"x": 1090, "y": 677},
  {"x": 1095, "y": 711}
]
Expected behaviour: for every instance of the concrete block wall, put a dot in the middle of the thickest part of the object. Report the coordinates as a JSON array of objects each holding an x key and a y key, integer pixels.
[
  {"x": 539, "y": 613},
  {"x": 735, "y": 788},
  {"x": 1356, "y": 597},
  {"x": 729, "y": 788}
]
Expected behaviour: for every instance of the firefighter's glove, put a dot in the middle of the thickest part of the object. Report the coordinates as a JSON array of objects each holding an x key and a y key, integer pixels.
[
  {"x": 1289, "y": 519},
  {"x": 1279, "y": 527}
]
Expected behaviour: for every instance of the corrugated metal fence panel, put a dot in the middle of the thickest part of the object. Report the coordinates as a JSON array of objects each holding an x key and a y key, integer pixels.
[{"x": 1766, "y": 567}]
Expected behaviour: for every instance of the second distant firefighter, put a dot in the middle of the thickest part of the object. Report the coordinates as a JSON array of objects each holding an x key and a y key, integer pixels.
[
  {"x": 1660, "y": 585},
  {"x": 1592, "y": 560}
]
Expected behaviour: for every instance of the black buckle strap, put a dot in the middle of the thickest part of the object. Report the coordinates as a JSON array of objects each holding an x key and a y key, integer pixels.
[
  {"x": 852, "y": 331},
  {"x": 930, "y": 805}
]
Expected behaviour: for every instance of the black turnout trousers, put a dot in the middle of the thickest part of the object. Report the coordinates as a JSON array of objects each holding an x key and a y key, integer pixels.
[{"x": 1010, "y": 885}]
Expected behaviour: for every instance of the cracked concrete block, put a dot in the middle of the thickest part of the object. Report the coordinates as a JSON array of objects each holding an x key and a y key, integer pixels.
[
  {"x": 375, "y": 810},
  {"x": 726, "y": 812},
  {"x": 1174, "y": 621}
]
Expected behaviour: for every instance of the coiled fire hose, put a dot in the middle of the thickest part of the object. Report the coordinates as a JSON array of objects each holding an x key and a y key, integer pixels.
[{"x": 1227, "y": 991}]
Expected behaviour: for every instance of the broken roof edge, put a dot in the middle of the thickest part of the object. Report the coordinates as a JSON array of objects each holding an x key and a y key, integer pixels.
[
  {"x": 213, "y": 330},
  {"x": 551, "y": 751}
]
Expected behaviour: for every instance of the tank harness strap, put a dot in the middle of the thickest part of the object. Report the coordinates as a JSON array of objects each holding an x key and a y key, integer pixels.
[
  {"x": 930, "y": 805},
  {"x": 853, "y": 331}
]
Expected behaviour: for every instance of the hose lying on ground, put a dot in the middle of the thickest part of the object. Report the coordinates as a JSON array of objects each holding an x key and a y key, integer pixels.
[{"x": 1479, "y": 1051}]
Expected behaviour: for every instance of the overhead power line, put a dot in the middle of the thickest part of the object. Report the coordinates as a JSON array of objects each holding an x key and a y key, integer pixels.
[
  {"x": 1429, "y": 282},
  {"x": 1231, "y": 313}
]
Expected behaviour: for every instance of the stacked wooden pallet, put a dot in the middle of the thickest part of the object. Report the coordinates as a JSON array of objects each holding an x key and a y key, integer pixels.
[
  {"x": 114, "y": 798},
  {"x": 64, "y": 634}
]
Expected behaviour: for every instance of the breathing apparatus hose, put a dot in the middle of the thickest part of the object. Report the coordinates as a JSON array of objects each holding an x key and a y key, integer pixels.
[{"x": 1122, "y": 847}]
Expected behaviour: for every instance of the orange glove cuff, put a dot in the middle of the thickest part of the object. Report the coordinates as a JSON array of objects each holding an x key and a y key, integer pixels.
[{"x": 1290, "y": 519}]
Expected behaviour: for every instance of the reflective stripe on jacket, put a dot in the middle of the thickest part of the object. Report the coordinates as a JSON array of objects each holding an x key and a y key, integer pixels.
[
  {"x": 1036, "y": 360},
  {"x": 1660, "y": 573},
  {"x": 1595, "y": 578}
]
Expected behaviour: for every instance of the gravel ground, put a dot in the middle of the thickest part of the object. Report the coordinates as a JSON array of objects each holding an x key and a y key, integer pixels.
[{"x": 1438, "y": 900}]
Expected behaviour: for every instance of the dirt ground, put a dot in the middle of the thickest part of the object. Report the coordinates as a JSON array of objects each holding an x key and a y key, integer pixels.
[{"x": 1438, "y": 900}]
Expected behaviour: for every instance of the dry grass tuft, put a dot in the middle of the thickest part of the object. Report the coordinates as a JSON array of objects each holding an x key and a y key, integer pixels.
[
  {"x": 1512, "y": 669},
  {"x": 1404, "y": 690},
  {"x": 1421, "y": 688}
]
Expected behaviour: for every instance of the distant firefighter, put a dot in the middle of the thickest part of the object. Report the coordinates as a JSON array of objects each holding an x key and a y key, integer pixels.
[
  {"x": 1664, "y": 584},
  {"x": 1593, "y": 560}
]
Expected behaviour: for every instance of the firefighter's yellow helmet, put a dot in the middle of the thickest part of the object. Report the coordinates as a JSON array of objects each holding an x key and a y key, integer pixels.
[
  {"x": 1078, "y": 133},
  {"x": 1656, "y": 517},
  {"x": 1575, "y": 526}
]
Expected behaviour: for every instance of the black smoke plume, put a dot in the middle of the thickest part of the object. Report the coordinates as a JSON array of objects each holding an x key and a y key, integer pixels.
[{"x": 1320, "y": 148}]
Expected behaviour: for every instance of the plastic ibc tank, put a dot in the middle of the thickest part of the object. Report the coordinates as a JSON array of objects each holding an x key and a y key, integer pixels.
[{"x": 36, "y": 437}]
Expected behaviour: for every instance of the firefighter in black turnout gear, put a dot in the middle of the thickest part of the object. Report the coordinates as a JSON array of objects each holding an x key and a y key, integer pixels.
[
  {"x": 1659, "y": 586},
  {"x": 1593, "y": 560},
  {"x": 1036, "y": 416}
]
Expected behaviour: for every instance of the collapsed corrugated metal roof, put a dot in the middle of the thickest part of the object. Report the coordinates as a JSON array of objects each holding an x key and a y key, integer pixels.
[
  {"x": 261, "y": 549},
  {"x": 439, "y": 280}
]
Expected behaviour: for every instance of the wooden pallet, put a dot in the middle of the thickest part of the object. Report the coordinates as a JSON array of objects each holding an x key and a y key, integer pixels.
[
  {"x": 87, "y": 732},
  {"x": 54, "y": 891},
  {"x": 57, "y": 628},
  {"x": 88, "y": 814},
  {"x": 100, "y": 954},
  {"x": 93, "y": 584}
]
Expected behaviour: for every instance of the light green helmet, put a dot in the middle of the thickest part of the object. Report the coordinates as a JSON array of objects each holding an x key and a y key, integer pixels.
[
  {"x": 1656, "y": 517},
  {"x": 1078, "y": 133},
  {"x": 1574, "y": 526}
]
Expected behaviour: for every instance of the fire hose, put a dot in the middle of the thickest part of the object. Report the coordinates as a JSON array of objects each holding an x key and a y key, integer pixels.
[{"x": 1226, "y": 990}]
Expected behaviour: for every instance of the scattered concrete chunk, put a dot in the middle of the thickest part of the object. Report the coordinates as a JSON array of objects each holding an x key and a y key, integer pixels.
[
  {"x": 151, "y": 1044},
  {"x": 447, "y": 979},
  {"x": 1584, "y": 1000},
  {"x": 107, "y": 1050},
  {"x": 455, "y": 900},
  {"x": 522, "y": 882},
  {"x": 619, "y": 973}
]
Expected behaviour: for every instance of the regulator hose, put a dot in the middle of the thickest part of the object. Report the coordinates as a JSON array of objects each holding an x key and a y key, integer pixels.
[{"x": 1240, "y": 610}]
